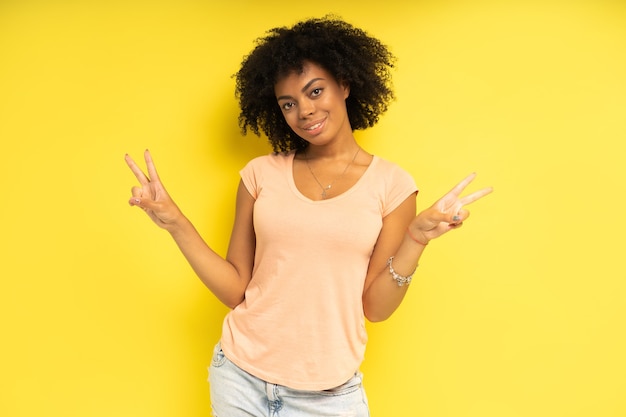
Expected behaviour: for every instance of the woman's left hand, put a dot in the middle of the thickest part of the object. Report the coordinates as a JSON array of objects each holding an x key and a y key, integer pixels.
[{"x": 447, "y": 213}]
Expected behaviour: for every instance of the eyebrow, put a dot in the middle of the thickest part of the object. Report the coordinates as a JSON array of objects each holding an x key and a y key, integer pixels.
[{"x": 303, "y": 88}]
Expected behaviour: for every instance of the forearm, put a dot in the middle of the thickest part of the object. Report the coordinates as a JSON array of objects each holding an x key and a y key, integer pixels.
[
  {"x": 226, "y": 278},
  {"x": 384, "y": 295},
  {"x": 219, "y": 275}
]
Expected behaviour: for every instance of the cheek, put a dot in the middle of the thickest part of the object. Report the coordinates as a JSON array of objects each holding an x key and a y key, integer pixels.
[{"x": 290, "y": 119}]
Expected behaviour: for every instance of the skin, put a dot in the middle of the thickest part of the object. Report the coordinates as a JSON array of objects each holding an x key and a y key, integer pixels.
[{"x": 313, "y": 104}]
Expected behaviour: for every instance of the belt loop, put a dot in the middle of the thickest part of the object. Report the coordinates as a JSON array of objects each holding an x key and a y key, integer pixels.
[
  {"x": 273, "y": 400},
  {"x": 270, "y": 391}
]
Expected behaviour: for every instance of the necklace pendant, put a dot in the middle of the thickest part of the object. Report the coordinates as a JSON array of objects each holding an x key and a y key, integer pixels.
[{"x": 328, "y": 187}]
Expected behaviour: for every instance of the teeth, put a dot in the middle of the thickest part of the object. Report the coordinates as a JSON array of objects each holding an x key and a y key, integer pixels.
[{"x": 315, "y": 126}]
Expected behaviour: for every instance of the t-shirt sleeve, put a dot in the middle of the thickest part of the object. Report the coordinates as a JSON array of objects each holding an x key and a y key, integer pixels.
[
  {"x": 400, "y": 185},
  {"x": 251, "y": 177}
]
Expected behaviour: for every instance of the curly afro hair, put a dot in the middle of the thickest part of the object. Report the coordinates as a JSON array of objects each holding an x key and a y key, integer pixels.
[{"x": 350, "y": 54}]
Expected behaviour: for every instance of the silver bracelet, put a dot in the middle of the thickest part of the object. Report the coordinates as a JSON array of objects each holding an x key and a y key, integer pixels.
[{"x": 400, "y": 280}]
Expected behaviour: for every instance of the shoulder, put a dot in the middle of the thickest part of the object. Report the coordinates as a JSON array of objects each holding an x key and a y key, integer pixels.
[
  {"x": 393, "y": 184},
  {"x": 264, "y": 169},
  {"x": 270, "y": 160},
  {"x": 390, "y": 172}
]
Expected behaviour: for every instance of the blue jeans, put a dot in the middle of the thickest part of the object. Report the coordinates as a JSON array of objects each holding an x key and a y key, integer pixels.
[{"x": 236, "y": 393}]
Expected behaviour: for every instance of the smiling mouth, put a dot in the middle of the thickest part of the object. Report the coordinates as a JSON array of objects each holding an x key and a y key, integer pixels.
[{"x": 315, "y": 126}]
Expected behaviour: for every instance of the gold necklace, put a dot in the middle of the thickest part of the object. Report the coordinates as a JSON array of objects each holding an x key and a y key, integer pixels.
[{"x": 329, "y": 186}]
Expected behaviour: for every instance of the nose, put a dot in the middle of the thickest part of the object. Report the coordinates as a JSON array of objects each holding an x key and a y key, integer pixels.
[{"x": 306, "y": 108}]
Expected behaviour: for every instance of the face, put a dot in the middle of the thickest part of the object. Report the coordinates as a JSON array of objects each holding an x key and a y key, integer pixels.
[{"x": 314, "y": 104}]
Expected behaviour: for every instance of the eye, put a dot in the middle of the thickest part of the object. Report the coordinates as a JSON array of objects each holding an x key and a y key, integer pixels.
[
  {"x": 288, "y": 105},
  {"x": 316, "y": 92}
]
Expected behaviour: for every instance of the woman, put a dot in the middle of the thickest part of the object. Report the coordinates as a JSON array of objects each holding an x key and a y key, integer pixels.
[{"x": 325, "y": 234}]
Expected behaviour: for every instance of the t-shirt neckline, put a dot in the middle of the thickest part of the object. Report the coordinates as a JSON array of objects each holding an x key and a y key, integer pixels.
[{"x": 296, "y": 191}]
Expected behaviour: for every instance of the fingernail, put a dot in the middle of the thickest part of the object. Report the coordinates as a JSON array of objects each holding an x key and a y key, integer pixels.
[
  {"x": 456, "y": 218},
  {"x": 137, "y": 201}
]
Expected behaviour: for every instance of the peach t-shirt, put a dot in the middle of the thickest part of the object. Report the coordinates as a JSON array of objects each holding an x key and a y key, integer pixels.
[{"x": 301, "y": 323}]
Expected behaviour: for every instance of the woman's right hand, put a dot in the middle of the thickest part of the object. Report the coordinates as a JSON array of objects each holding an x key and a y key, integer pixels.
[{"x": 151, "y": 196}]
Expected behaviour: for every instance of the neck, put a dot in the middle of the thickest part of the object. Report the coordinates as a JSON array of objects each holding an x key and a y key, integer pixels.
[{"x": 344, "y": 150}]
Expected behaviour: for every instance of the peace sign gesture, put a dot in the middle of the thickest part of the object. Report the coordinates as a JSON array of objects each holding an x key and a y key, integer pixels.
[
  {"x": 447, "y": 213},
  {"x": 151, "y": 196}
]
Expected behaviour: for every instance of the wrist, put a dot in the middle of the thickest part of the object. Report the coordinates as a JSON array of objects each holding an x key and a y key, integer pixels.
[
  {"x": 178, "y": 225},
  {"x": 421, "y": 240}
]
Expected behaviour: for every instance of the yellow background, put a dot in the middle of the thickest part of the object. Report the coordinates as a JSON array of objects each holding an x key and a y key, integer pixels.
[{"x": 519, "y": 313}]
